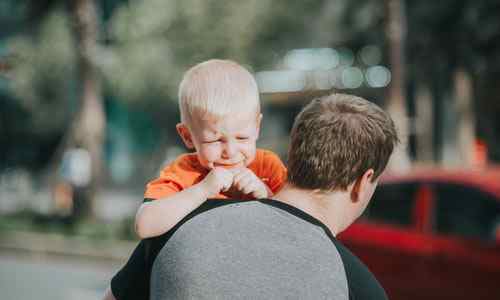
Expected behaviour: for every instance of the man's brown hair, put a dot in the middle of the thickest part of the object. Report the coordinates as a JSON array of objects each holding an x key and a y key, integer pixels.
[{"x": 335, "y": 139}]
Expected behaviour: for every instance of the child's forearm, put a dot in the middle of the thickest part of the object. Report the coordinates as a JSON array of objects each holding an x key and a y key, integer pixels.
[{"x": 159, "y": 216}]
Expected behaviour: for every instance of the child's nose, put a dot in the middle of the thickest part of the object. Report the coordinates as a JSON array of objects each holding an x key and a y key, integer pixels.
[{"x": 229, "y": 149}]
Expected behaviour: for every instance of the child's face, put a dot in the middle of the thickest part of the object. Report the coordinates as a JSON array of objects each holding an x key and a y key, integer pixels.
[{"x": 226, "y": 142}]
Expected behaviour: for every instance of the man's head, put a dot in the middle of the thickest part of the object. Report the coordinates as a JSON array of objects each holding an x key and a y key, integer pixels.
[
  {"x": 220, "y": 113},
  {"x": 338, "y": 142},
  {"x": 336, "y": 139}
]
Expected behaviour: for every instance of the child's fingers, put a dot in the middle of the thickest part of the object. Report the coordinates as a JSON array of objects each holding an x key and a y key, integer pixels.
[
  {"x": 237, "y": 171},
  {"x": 259, "y": 193},
  {"x": 238, "y": 176},
  {"x": 221, "y": 178},
  {"x": 241, "y": 180},
  {"x": 247, "y": 186},
  {"x": 225, "y": 188},
  {"x": 244, "y": 173},
  {"x": 248, "y": 183},
  {"x": 227, "y": 179}
]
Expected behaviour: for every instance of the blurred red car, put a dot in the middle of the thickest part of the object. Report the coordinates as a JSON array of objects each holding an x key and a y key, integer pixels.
[{"x": 433, "y": 234}]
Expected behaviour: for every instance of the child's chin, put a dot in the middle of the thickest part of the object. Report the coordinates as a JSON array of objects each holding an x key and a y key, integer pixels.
[{"x": 227, "y": 167}]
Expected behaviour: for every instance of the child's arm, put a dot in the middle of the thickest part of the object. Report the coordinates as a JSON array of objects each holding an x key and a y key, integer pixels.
[{"x": 159, "y": 216}]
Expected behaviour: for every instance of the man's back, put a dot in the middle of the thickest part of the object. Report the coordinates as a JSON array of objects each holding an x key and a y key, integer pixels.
[
  {"x": 249, "y": 250},
  {"x": 339, "y": 145}
]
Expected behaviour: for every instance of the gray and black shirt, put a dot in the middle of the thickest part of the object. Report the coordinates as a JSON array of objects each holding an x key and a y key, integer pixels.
[{"x": 262, "y": 249}]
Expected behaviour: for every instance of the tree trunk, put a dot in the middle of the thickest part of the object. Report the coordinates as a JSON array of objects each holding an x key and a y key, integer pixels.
[
  {"x": 396, "y": 101},
  {"x": 466, "y": 121},
  {"x": 89, "y": 125},
  {"x": 424, "y": 125}
]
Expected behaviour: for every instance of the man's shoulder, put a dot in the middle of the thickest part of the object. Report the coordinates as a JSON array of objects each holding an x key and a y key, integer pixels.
[
  {"x": 362, "y": 283},
  {"x": 277, "y": 247}
]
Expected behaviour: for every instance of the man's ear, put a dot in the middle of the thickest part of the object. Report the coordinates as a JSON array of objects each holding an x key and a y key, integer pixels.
[
  {"x": 185, "y": 135},
  {"x": 362, "y": 187}
]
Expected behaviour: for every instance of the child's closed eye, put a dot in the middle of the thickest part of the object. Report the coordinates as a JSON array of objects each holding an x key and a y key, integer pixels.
[{"x": 211, "y": 142}]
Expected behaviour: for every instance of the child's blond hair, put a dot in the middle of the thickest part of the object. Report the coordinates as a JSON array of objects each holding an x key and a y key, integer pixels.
[{"x": 217, "y": 88}]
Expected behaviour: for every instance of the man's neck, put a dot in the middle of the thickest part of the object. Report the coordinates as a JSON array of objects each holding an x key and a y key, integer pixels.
[{"x": 327, "y": 208}]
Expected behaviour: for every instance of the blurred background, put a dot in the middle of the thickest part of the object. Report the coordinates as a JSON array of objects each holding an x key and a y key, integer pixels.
[{"x": 88, "y": 108}]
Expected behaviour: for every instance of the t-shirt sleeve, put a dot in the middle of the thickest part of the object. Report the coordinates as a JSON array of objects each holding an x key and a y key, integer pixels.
[
  {"x": 177, "y": 176},
  {"x": 134, "y": 278},
  {"x": 362, "y": 283},
  {"x": 132, "y": 281},
  {"x": 166, "y": 184},
  {"x": 271, "y": 170}
]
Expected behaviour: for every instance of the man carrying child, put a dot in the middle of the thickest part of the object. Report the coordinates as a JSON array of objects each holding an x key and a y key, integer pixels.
[{"x": 282, "y": 245}]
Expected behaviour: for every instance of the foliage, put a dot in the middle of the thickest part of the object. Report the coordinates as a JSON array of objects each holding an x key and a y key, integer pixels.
[{"x": 145, "y": 46}]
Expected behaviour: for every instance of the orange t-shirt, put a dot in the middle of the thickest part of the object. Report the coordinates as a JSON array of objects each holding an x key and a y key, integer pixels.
[{"x": 186, "y": 171}]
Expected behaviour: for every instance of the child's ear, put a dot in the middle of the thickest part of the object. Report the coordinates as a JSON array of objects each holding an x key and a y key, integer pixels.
[
  {"x": 259, "y": 119},
  {"x": 185, "y": 135}
]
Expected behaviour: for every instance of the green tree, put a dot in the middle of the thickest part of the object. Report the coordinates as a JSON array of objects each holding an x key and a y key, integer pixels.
[
  {"x": 139, "y": 55},
  {"x": 56, "y": 65}
]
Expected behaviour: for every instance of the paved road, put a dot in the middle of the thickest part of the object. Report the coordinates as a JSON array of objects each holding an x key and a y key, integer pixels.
[{"x": 24, "y": 276}]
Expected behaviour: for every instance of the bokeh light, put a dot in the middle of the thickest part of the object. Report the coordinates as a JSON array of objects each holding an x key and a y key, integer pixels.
[
  {"x": 280, "y": 81},
  {"x": 346, "y": 56},
  {"x": 311, "y": 59},
  {"x": 352, "y": 77},
  {"x": 370, "y": 55},
  {"x": 378, "y": 76},
  {"x": 321, "y": 79}
]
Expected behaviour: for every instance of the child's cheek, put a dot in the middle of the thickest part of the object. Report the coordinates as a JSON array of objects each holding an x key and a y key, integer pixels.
[
  {"x": 250, "y": 155},
  {"x": 210, "y": 153}
]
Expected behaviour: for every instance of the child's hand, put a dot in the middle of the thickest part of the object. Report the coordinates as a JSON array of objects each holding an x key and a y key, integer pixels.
[
  {"x": 217, "y": 180},
  {"x": 248, "y": 183}
]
